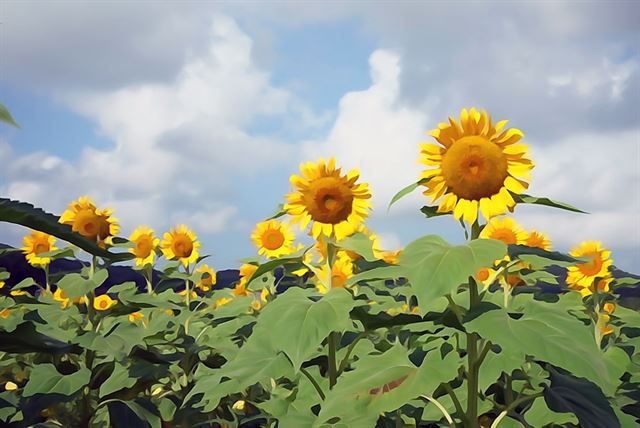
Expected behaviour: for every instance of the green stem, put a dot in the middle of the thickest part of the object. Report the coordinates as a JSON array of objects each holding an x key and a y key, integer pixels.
[
  {"x": 332, "y": 340},
  {"x": 313, "y": 382},
  {"x": 455, "y": 400},
  {"x": 472, "y": 379},
  {"x": 440, "y": 407},
  {"x": 455, "y": 308},
  {"x": 345, "y": 360},
  {"x": 475, "y": 230},
  {"x": 149, "y": 278},
  {"x": 46, "y": 278}
]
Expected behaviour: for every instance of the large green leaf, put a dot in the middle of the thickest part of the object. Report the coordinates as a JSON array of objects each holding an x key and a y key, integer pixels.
[
  {"x": 27, "y": 215},
  {"x": 385, "y": 272},
  {"x": 359, "y": 243},
  {"x": 5, "y": 116},
  {"x": 118, "y": 380},
  {"x": 302, "y": 324},
  {"x": 45, "y": 379},
  {"x": 540, "y": 415},
  {"x": 527, "y": 199},
  {"x": 549, "y": 333},
  {"x": 383, "y": 383},
  {"x": 436, "y": 268}
]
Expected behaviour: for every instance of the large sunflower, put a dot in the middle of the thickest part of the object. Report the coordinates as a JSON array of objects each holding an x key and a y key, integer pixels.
[
  {"x": 109, "y": 226},
  {"x": 583, "y": 275},
  {"x": 180, "y": 243},
  {"x": 145, "y": 244},
  {"x": 478, "y": 165},
  {"x": 37, "y": 243},
  {"x": 273, "y": 238},
  {"x": 335, "y": 202},
  {"x": 91, "y": 222}
]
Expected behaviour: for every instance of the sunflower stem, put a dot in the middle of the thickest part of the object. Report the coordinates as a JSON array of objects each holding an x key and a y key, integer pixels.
[
  {"x": 188, "y": 299},
  {"x": 46, "y": 278},
  {"x": 149, "y": 278},
  {"x": 332, "y": 340}
]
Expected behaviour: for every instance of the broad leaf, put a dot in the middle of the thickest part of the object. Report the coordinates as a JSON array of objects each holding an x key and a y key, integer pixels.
[
  {"x": 118, "y": 380},
  {"x": 436, "y": 268},
  {"x": 45, "y": 379},
  {"x": 551, "y": 334},
  {"x": 360, "y": 244},
  {"x": 539, "y": 415}
]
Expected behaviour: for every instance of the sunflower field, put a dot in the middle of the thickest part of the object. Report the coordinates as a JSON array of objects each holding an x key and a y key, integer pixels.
[{"x": 326, "y": 328}]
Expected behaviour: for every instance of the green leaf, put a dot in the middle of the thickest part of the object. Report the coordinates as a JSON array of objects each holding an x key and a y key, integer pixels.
[
  {"x": 539, "y": 415},
  {"x": 383, "y": 383},
  {"x": 142, "y": 412},
  {"x": 25, "y": 283},
  {"x": 359, "y": 243},
  {"x": 45, "y": 379},
  {"x": 549, "y": 333},
  {"x": 436, "y": 268},
  {"x": 303, "y": 324},
  {"x": 5, "y": 116},
  {"x": 75, "y": 285},
  {"x": 272, "y": 264},
  {"x": 119, "y": 379},
  {"x": 279, "y": 212},
  {"x": 432, "y": 211},
  {"x": 385, "y": 272},
  {"x": 35, "y": 218},
  {"x": 533, "y": 254},
  {"x": 404, "y": 192},
  {"x": 527, "y": 199}
]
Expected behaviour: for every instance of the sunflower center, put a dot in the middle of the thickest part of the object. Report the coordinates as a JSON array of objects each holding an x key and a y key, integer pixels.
[
  {"x": 593, "y": 266},
  {"x": 182, "y": 246},
  {"x": 87, "y": 223},
  {"x": 507, "y": 236},
  {"x": 103, "y": 304},
  {"x": 143, "y": 246},
  {"x": 330, "y": 200},
  {"x": 483, "y": 274},
  {"x": 272, "y": 239},
  {"x": 474, "y": 168},
  {"x": 41, "y": 247},
  {"x": 338, "y": 279}
]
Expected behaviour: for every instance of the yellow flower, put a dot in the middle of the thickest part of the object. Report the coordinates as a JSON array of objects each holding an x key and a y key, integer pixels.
[
  {"x": 4, "y": 313},
  {"x": 145, "y": 244},
  {"x": 486, "y": 276},
  {"x": 505, "y": 230},
  {"x": 341, "y": 271},
  {"x": 264, "y": 295},
  {"x": 603, "y": 324},
  {"x": 246, "y": 272},
  {"x": 37, "y": 243},
  {"x": 208, "y": 280},
  {"x": 2, "y": 284},
  {"x": 103, "y": 302},
  {"x": 65, "y": 301},
  {"x": 192, "y": 294},
  {"x": 583, "y": 275},
  {"x": 109, "y": 226},
  {"x": 335, "y": 203},
  {"x": 182, "y": 244},
  {"x": 18, "y": 292},
  {"x": 256, "y": 305},
  {"x": 136, "y": 317},
  {"x": 538, "y": 240},
  {"x": 239, "y": 405},
  {"x": 476, "y": 166},
  {"x": 222, "y": 301},
  {"x": 10, "y": 386},
  {"x": 609, "y": 307},
  {"x": 273, "y": 239},
  {"x": 404, "y": 309}
]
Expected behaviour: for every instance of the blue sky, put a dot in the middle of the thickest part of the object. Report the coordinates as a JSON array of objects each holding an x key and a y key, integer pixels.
[{"x": 198, "y": 113}]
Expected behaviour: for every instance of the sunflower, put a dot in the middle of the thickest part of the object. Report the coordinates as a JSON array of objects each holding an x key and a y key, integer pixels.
[
  {"x": 208, "y": 279},
  {"x": 337, "y": 275},
  {"x": 37, "y": 243},
  {"x": 486, "y": 276},
  {"x": 335, "y": 203},
  {"x": 81, "y": 215},
  {"x": 582, "y": 276},
  {"x": 505, "y": 230},
  {"x": 145, "y": 244},
  {"x": 273, "y": 239},
  {"x": 478, "y": 165},
  {"x": 109, "y": 226},
  {"x": 5, "y": 313},
  {"x": 182, "y": 244},
  {"x": 103, "y": 302},
  {"x": 538, "y": 240},
  {"x": 222, "y": 301}
]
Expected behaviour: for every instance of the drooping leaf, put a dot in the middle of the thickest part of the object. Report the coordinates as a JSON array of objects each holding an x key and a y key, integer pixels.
[
  {"x": 405, "y": 191},
  {"x": 527, "y": 199},
  {"x": 25, "y": 339},
  {"x": 383, "y": 383},
  {"x": 385, "y": 272},
  {"x": 436, "y": 268},
  {"x": 556, "y": 258},
  {"x": 27, "y": 215},
  {"x": 539, "y": 415},
  {"x": 549, "y": 333},
  {"x": 272, "y": 264},
  {"x": 432, "y": 211},
  {"x": 579, "y": 396},
  {"x": 360, "y": 244},
  {"x": 45, "y": 379},
  {"x": 5, "y": 116}
]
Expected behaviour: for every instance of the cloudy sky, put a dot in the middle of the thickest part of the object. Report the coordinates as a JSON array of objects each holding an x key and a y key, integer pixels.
[{"x": 198, "y": 112}]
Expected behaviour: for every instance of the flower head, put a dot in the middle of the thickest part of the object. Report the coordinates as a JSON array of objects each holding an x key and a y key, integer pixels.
[
  {"x": 103, "y": 302},
  {"x": 145, "y": 244},
  {"x": 37, "y": 243},
  {"x": 584, "y": 277},
  {"x": 273, "y": 239},
  {"x": 181, "y": 244},
  {"x": 477, "y": 165},
  {"x": 208, "y": 279},
  {"x": 537, "y": 239},
  {"x": 91, "y": 222},
  {"x": 340, "y": 272},
  {"x": 505, "y": 230},
  {"x": 334, "y": 202}
]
